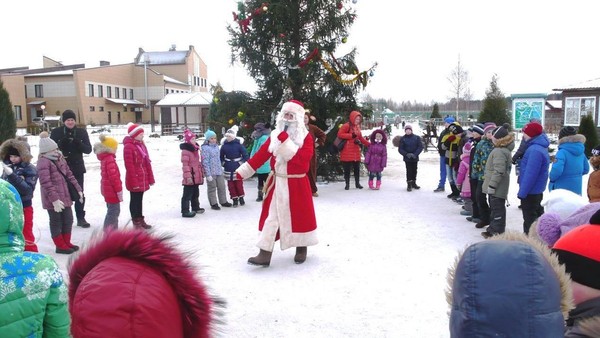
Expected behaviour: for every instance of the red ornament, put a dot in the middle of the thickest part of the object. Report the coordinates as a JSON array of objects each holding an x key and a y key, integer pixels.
[
  {"x": 339, "y": 5},
  {"x": 282, "y": 35}
]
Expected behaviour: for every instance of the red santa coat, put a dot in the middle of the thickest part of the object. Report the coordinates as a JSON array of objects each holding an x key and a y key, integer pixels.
[{"x": 288, "y": 213}]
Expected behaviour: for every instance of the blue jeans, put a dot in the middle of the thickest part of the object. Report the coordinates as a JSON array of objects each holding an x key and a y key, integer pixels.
[
  {"x": 373, "y": 174},
  {"x": 451, "y": 174},
  {"x": 442, "y": 172}
]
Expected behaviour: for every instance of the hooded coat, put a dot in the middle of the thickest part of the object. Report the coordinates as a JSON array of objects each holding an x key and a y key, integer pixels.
[
  {"x": 497, "y": 167},
  {"x": 53, "y": 185},
  {"x": 132, "y": 284},
  {"x": 533, "y": 175},
  {"x": 376, "y": 156},
  {"x": 110, "y": 175},
  {"x": 190, "y": 164},
  {"x": 570, "y": 164},
  {"x": 33, "y": 296},
  {"x": 508, "y": 286},
  {"x": 24, "y": 177},
  {"x": 232, "y": 155},
  {"x": 138, "y": 167},
  {"x": 351, "y": 151}
]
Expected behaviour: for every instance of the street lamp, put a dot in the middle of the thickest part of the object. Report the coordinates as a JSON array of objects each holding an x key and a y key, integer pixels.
[
  {"x": 43, "y": 107},
  {"x": 124, "y": 106}
]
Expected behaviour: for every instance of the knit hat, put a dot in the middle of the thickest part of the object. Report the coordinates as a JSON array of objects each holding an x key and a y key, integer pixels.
[
  {"x": 566, "y": 131},
  {"x": 134, "y": 130},
  {"x": 467, "y": 148},
  {"x": 109, "y": 142},
  {"x": 68, "y": 114},
  {"x": 408, "y": 126},
  {"x": 46, "y": 143},
  {"x": 533, "y": 129},
  {"x": 478, "y": 128},
  {"x": 550, "y": 226},
  {"x": 209, "y": 134},
  {"x": 232, "y": 132},
  {"x": 596, "y": 151},
  {"x": 188, "y": 135},
  {"x": 501, "y": 132},
  {"x": 449, "y": 119},
  {"x": 579, "y": 251},
  {"x": 488, "y": 126}
]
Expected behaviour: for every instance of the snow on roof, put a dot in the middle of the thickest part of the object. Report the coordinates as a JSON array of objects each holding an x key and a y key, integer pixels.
[
  {"x": 163, "y": 58},
  {"x": 58, "y": 72},
  {"x": 589, "y": 84},
  {"x": 186, "y": 99},
  {"x": 556, "y": 104},
  {"x": 172, "y": 80}
]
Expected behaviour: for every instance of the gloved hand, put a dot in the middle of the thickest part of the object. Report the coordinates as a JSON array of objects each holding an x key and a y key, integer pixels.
[
  {"x": 65, "y": 142},
  {"x": 356, "y": 141},
  {"x": 209, "y": 178},
  {"x": 58, "y": 206},
  {"x": 459, "y": 186},
  {"x": 238, "y": 176},
  {"x": 354, "y": 135},
  {"x": 189, "y": 181},
  {"x": 81, "y": 197},
  {"x": 282, "y": 136},
  {"x": 120, "y": 196},
  {"x": 451, "y": 138},
  {"x": 491, "y": 190},
  {"x": 410, "y": 156},
  {"x": 7, "y": 170}
]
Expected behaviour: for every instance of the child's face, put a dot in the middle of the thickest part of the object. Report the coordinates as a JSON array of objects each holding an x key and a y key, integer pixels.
[
  {"x": 212, "y": 140},
  {"x": 139, "y": 136},
  {"x": 14, "y": 159},
  {"x": 378, "y": 137}
]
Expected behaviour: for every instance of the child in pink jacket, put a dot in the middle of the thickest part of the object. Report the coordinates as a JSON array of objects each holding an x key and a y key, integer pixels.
[
  {"x": 462, "y": 180},
  {"x": 192, "y": 175}
]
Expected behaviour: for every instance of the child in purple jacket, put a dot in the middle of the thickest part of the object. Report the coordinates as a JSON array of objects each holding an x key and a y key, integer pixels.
[{"x": 376, "y": 157}]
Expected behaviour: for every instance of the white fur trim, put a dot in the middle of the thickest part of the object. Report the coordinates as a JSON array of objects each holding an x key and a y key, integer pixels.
[
  {"x": 135, "y": 131},
  {"x": 245, "y": 170}
]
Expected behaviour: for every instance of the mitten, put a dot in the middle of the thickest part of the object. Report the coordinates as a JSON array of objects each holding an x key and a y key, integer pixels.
[
  {"x": 451, "y": 138},
  {"x": 58, "y": 206},
  {"x": 353, "y": 135},
  {"x": 7, "y": 170},
  {"x": 120, "y": 196},
  {"x": 209, "y": 178},
  {"x": 189, "y": 180},
  {"x": 81, "y": 197},
  {"x": 282, "y": 136}
]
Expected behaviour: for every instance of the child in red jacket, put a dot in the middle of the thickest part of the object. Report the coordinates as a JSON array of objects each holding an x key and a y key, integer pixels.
[{"x": 110, "y": 183}]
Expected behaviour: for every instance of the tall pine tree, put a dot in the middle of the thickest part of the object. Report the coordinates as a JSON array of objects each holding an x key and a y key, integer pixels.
[
  {"x": 495, "y": 107},
  {"x": 8, "y": 125},
  {"x": 588, "y": 129},
  {"x": 290, "y": 48},
  {"x": 435, "y": 114}
]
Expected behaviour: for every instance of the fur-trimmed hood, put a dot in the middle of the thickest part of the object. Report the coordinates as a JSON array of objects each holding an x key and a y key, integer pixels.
[
  {"x": 374, "y": 133},
  {"x": 20, "y": 144},
  {"x": 197, "y": 308},
  {"x": 508, "y": 265},
  {"x": 505, "y": 142},
  {"x": 577, "y": 138}
]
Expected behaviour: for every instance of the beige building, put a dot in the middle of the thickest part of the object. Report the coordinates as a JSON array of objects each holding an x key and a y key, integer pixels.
[{"x": 111, "y": 94}]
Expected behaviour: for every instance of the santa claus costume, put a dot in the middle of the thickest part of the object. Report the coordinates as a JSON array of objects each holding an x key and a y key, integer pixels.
[{"x": 288, "y": 213}]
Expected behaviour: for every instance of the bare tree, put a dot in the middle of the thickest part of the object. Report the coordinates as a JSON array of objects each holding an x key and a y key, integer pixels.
[{"x": 459, "y": 79}]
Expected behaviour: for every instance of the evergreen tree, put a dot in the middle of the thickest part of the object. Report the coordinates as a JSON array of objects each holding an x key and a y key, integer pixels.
[
  {"x": 495, "y": 107},
  {"x": 8, "y": 125},
  {"x": 289, "y": 48},
  {"x": 435, "y": 114},
  {"x": 588, "y": 129}
]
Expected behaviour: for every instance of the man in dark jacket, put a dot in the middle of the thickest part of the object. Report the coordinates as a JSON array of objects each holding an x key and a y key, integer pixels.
[
  {"x": 410, "y": 147},
  {"x": 73, "y": 142}
]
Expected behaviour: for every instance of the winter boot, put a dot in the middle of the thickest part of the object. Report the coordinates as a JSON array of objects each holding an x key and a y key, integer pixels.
[
  {"x": 415, "y": 186},
  {"x": 226, "y": 205},
  {"x": 408, "y": 185},
  {"x": 347, "y": 187},
  {"x": 81, "y": 222},
  {"x": 378, "y": 185},
  {"x": 235, "y": 202},
  {"x": 61, "y": 246},
  {"x": 439, "y": 189},
  {"x": 67, "y": 239},
  {"x": 455, "y": 192},
  {"x": 242, "y": 202},
  {"x": 300, "y": 256},
  {"x": 357, "y": 184},
  {"x": 260, "y": 196},
  {"x": 262, "y": 259},
  {"x": 371, "y": 185},
  {"x": 215, "y": 207},
  {"x": 188, "y": 214},
  {"x": 140, "y": 223},
  {"x": 199, "y": 211}
]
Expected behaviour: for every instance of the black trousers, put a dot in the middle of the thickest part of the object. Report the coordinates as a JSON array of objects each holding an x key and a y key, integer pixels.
[
  {"x": 532, "y": 209},
  {"x": 482, "y": 203},
  {"x": 355, "y": 165},
  {"x": 473, "y": 183},
  {"x": 498, "y": 215},
  {"x": 411, "y": 171},
  {"x": 79, "y": 207},
  {"x": 135, "y": 204},
  {"x": 262, "y": 178},
  {"x": 190, "y": 196}
]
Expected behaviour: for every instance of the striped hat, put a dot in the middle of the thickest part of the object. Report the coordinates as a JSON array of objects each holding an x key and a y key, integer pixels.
[
  {"x": 478, "y": 128},
  {"x": 134, "y": 130}
]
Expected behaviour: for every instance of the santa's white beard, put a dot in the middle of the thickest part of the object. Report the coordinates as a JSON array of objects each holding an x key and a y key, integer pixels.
[{"x": 296, "y": 133}]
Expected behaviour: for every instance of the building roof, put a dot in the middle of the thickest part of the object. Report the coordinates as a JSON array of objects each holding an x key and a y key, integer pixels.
[
  {"x": 124, "y": 101},
  {"x": 172, "y": 80},
  {"x": 58, "y": 72},
  {"x": 555, "y": 104},
  {"x": 163, "y": 58},
  {"x": 186, "y": 99},
  {"x": 586, "y": 85}
]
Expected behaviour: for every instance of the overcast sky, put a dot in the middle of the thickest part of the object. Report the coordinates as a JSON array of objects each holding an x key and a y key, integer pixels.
[{"x": 533, "y": 45}]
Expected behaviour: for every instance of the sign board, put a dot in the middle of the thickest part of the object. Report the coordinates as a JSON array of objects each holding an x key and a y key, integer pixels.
[{"x": 524, "y": 110}]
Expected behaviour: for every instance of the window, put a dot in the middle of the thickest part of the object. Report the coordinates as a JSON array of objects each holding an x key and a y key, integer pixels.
[
  {"x": 100, "y": 91},
  {"x": 576, "y": 107},
  {"x": 131, "y": 94},
  {"x": 91, "y": 90},
  {"x": 18, "y": 113},
  {"x": 92, "y": 108},
  {"x": 109, "y": 92},
  {"x": 100, "y": 108},
  {"x": 124, "y": 93},
  {"x": 39, "y": 91},
  {"x": 117, "y": 93},
  {"x": 166, "y": 91},
  {"x": 124, "y": 108}
]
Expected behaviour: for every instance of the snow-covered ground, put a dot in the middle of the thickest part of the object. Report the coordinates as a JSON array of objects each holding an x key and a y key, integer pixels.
[{"x": 378, "y": 271}]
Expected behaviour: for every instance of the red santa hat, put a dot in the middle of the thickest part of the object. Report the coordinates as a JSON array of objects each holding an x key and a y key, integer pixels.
[
  {"x": 134, "y": 130},
  {"x": 294, "y": 106}
]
